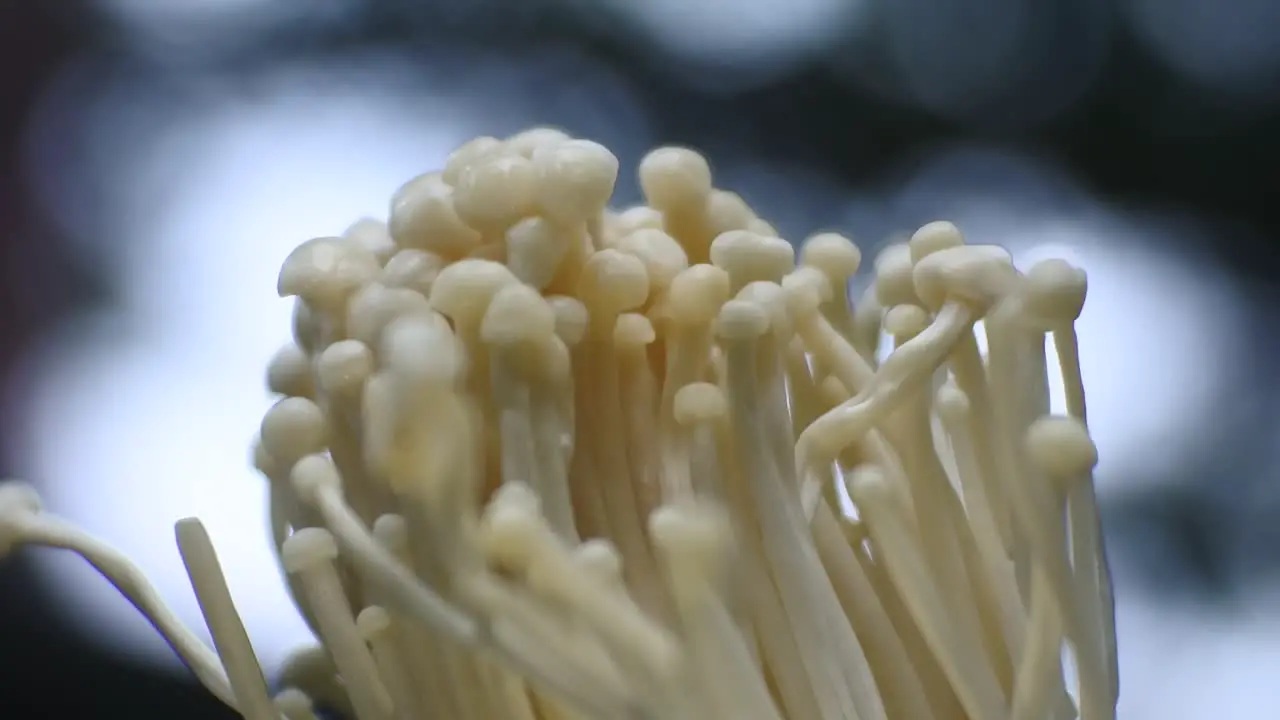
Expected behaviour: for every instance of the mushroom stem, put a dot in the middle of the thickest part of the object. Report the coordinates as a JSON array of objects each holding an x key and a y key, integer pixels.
[{"x": 229, "y": 636}]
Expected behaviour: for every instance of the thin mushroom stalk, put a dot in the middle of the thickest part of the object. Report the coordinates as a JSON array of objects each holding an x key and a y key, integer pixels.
[{"x": 534, "y": 458}]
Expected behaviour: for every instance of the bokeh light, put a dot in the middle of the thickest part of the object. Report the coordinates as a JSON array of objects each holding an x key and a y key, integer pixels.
[
  {"x": 1195, "y": 662},
  {"x": 729, "y": 44},
  {"x": 147, "y": 414}
]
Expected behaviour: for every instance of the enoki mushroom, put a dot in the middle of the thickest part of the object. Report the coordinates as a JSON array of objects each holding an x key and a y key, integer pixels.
[{"x": 534, "y": 457}]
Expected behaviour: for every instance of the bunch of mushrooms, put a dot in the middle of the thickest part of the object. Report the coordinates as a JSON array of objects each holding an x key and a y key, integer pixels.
[{"x": 535, "y": 457}]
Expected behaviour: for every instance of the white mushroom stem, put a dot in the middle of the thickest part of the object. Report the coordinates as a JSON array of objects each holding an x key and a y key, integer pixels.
[
  {"x": 961, "y": 661},
  {"x": 971, "y": 378},
  {"x": 420, "y": 649},
  {"x": 310, "y": 553},
  {"x": 638, "y": 395},
  {"x": 238, "y": 659},
  {"x": 850, "y": 372},
  {"x": 612, "y": 284},
  {"x": 779, "y": 647},
  {"x": 961, "y": 282},
  {"x": 1056, "y": 296},
  {"x": 1038, "y": 677},
  {"x": 401, "y": 591},
  {"x": 937, "y": 687},
  {"x": 693, "y": 543},
  {"x": 551, "y": 399},
  {"x": 512, "y": 525},
  {"x": 955, "y": 412},
  {"x": 866, "y": 325},
  {"x": 771, "y": 368},
  {"x": 692, "y": 301},
  {"x": 944, "y": 533},
  {"x": 342, "y": 370},
  {"x": 838, "y": 259},
  {"x": 1060, "y": 448},
  {"x": 909, "y": 369},
  {"x": 376, "y": 627},
  {"x": 898, "y": 681},
  {"x": 517, "y": 322},
  {"x": 1038, "y": 518},
  {"x": 22, "y": 522},
  {"x": 830, "y": 653}
]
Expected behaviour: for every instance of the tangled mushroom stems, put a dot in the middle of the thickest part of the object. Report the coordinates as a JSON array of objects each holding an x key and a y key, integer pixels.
[{"x": 534, "y": 457}]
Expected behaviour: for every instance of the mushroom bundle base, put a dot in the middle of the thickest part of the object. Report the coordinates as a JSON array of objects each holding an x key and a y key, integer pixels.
[{"x": 535, "y": 457}]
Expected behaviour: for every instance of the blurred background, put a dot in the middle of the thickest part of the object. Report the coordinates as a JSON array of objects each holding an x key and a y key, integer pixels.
[{"x": 159, "y": 157}]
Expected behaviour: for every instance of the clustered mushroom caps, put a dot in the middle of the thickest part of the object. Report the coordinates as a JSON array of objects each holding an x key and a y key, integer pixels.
[{"x": 537, "y": 458}]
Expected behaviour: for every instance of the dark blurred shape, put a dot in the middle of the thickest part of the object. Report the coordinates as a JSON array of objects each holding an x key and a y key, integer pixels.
[
  {"x": 198, "y": 31},
  {"x": 1226, "y": 47},
  {"x": 995, "y": 64}
]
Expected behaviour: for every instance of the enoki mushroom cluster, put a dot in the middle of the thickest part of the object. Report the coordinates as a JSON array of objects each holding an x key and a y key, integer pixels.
[{"x": 539, "y": 458}]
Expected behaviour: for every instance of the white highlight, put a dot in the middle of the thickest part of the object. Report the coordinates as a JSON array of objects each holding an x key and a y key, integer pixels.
[
  {"x": 1155, "y": 348},
  {"x": 1192, "y": 663},
  {"x": 145, "y": 418},
  {"x": 759, "y": 34}
]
